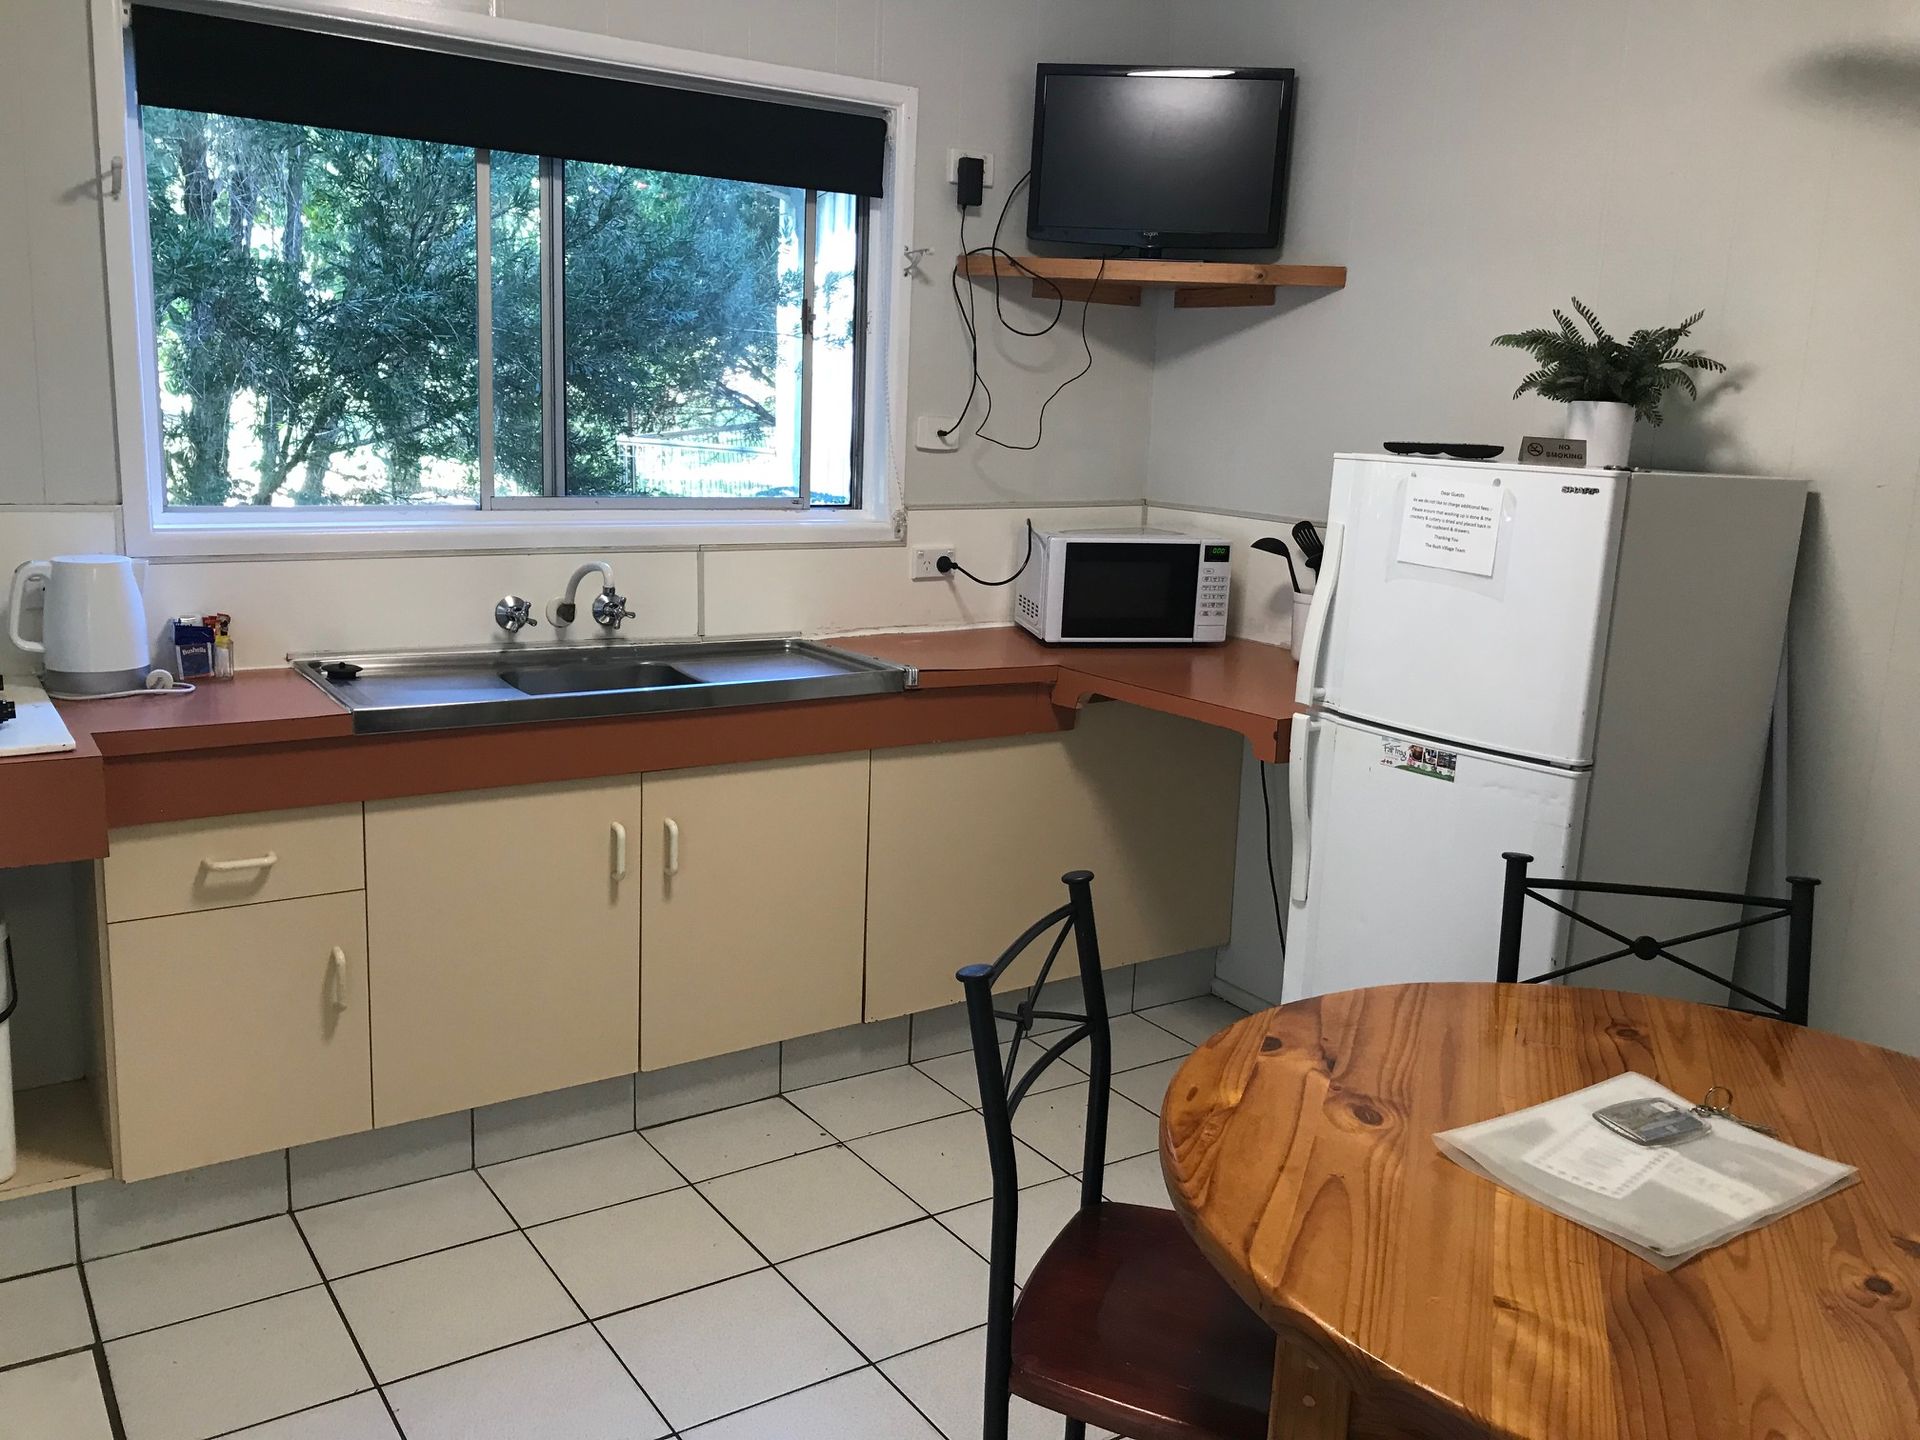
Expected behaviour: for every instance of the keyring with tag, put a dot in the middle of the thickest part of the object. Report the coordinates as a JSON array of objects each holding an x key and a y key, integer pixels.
[{"x": 1708, "y": 1110}]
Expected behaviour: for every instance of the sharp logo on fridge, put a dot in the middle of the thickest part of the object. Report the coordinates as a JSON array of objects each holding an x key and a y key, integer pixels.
[{"x": 1579, "y": 489}]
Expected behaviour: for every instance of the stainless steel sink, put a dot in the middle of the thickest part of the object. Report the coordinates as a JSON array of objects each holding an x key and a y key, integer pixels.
[
  {"x": 516, "y": 684},
  {"x": 590, "y": 677}
]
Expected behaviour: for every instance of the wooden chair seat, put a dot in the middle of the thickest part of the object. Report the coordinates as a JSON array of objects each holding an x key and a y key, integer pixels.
[{"x": 1125, "y": 1325}]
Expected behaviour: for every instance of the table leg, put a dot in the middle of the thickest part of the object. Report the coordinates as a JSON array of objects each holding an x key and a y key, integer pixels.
[{"x": 1310, "y": 1402}]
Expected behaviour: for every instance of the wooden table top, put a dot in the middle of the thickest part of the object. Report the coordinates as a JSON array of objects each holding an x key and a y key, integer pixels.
[{"x": 1298, "y": 1146}]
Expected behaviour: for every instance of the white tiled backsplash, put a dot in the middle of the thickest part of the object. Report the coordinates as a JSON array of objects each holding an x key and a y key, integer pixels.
[{"x": 386, "y": 602}]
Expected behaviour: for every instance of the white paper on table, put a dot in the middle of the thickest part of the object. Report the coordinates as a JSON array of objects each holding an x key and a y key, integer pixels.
[
  {"x": 1598, "y": 1160},
  {"x": 1665, "y": 1203}
]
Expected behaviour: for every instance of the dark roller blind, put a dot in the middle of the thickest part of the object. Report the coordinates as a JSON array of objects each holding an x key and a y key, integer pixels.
[{"x": 187, "y": 61}]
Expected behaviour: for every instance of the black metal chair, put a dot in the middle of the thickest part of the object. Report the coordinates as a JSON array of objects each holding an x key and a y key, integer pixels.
[
  {"x": 1796, "y": 909},
  {"x": 1123, "y": 1323}
]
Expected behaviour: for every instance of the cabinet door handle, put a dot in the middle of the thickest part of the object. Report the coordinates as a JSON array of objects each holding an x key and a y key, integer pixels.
[
  {"x": 673, "y": 849},
  {"x": 619, "y": 851},
  {"x": 251, "y": 862},
  {"x": 337, "y": 976}
]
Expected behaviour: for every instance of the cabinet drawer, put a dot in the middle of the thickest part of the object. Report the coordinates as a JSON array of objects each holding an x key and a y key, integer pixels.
[
  {"x": 188, "y": 865},
  {"x": 238, "y": 1031}
]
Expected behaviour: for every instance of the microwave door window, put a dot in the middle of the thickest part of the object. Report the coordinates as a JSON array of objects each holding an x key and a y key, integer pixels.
[{"x": 1129, "y": 592}]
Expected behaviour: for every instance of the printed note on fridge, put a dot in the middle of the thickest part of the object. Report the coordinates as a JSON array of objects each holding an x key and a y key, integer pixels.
[{"x": 1450, "y": 524}]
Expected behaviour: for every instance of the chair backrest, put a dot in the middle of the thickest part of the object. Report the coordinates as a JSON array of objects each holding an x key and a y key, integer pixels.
[
  {"x": 1004, "y": 1084},
  {"x": 1796, "y": 908}
]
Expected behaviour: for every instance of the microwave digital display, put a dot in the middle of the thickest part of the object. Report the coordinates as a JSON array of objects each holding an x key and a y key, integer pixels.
[{"x": 1135, "y": 591}]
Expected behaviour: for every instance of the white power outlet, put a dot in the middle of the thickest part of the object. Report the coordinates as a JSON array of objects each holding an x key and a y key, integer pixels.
[
  {"x": 954, "y": 157},
  {"x": 927, "y": 436},
  {"x": 926, "y": 561}
]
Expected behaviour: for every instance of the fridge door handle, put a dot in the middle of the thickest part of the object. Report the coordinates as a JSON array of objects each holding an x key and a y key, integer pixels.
[
  {"x": 1308, "y": 690},
  {"x": 1299, "y": 782}
]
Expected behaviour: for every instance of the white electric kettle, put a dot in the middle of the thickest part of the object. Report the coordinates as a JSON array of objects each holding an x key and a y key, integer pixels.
[{"x": 94, "y": 634}]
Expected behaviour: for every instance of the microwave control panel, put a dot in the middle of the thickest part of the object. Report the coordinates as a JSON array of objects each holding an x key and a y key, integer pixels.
[{"x": 1210, "y": 605}]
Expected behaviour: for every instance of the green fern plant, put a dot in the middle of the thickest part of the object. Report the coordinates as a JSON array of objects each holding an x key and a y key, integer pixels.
[{"x": 1637, "y": 371}]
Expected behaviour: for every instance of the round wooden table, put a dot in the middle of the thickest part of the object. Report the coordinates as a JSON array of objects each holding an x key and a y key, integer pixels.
[{"x": 1298, "y": 1146}]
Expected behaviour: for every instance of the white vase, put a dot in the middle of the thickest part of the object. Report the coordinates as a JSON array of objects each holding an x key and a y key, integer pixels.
[{"x": 1607, "y": 427}]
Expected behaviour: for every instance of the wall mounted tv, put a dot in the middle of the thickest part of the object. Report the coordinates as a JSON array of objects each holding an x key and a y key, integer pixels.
[{"x": 1151, "y": 157}]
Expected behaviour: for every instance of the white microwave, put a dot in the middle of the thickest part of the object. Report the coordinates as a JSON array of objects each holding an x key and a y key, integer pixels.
[{"x": 1124, "y": 587}]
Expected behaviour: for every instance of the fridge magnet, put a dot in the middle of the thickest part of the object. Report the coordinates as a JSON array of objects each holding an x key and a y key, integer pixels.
[{"x": 1425, "y": 760}]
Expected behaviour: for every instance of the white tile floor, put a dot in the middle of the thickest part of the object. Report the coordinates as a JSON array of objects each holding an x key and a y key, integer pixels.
[{"x": 808, "y": 1267}]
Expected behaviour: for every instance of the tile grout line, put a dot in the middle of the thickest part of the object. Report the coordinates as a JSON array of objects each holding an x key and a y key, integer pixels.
[
  {"x": 303, "y": 1410},
  {"x": 786, "y": 1279},
  {"x": 347, "y": 1325},
  {"x": 567, "y": 1290},
  {"x": 13, "y": 1365},
  {"x": 515, "y": 1225},
  {"x": 103, "y": 1373},
  {"x": 109, "y": 1397},
  {"x": 833, "y": 1142},
  {"x": 209, "y": 1314},
  {"x": 925, "y": 1214}
]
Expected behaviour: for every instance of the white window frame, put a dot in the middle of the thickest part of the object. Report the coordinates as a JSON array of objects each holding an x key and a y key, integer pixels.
[{"x": 151, "y": 530}]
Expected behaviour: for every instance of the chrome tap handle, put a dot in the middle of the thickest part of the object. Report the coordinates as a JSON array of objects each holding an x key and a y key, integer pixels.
[
  {"x": 610, "y": 608},
  {"x": 513, "y": 614}
]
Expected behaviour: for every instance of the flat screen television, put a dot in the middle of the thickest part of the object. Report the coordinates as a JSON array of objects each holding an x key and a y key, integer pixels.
[{"x": 1156, "y": 156}]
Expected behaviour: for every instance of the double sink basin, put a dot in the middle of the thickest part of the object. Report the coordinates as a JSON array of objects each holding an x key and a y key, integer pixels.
[{"x": 442, "y": 689}]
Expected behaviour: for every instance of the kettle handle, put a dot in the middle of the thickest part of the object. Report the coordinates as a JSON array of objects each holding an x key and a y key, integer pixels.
[{"x": 23, "y": 573}]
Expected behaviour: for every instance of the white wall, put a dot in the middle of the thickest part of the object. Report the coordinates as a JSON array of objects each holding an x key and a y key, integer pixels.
[
  {"x": 1477, "y": 162},
  {"x": 973, "y": 65},
  {"x": 56, "y": 405}
]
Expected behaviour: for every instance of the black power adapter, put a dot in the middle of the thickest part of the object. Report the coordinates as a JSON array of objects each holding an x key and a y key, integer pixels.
[{"x": 970, "y": 180}]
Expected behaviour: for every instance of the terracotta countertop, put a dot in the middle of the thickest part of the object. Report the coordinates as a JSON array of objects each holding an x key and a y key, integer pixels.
[
  {"x": 1242, "y": 685},
  {"x": 269, "y": 740}
]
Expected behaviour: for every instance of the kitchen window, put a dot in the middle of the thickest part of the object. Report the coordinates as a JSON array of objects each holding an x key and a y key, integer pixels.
[{"x": 623, "y": 302}]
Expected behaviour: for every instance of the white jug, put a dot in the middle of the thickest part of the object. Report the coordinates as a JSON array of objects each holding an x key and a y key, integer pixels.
[{"x": 94, "y": 634}]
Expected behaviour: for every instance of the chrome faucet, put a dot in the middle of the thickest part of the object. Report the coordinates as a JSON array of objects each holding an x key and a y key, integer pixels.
[
  {"x": 609, "y": 606},
  {"x": 512, "y": 614}
]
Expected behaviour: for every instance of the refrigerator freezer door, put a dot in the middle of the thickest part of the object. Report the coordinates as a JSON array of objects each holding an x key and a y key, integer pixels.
[
  {"x": 1473, "y": 601},
  {"x": 1404, "y": 879}
]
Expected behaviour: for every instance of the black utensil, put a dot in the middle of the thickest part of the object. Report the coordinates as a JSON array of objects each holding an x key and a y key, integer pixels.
[
  {"x": 1454, "y": 449},
  {"x": 1308, "y": 539},
  {"x": 1279, "y": 547}
]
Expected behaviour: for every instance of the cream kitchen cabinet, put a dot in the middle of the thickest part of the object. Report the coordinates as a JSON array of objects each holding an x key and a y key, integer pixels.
[
  {"x": 238, "y": 1030},
  {"x": 233, "y": 992},
  {"x": 968, "y": 843},
  {"x": 752, "y": 917},
  {"x": 504, "y": 940}
]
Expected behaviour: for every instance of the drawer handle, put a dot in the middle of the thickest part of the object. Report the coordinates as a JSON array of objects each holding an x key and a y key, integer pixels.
[
  {"x": 673, "y": 848},
  {"x": 337, "y": 977},
  {"x": 619, "y": 851},
  {"x": 251, "y": 862}
]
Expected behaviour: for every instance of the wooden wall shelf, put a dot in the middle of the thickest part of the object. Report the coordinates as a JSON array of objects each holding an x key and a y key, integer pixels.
[{"x": 1195, "y": 283}]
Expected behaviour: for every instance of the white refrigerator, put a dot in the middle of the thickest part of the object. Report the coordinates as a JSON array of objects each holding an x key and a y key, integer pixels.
[{"x": 1577, "y": 664}]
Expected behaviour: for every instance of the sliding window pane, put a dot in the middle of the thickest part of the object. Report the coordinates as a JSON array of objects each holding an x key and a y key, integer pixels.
[
  {"x": 836, "y": 352},
  {"x": 314, "y": 314},
  {"x": 514, "y": 188},
  {"x": 682, "y": 335}
]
